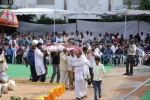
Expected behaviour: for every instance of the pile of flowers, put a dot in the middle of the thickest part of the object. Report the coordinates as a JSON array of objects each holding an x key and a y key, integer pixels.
[{"x": 53, "y": 93}]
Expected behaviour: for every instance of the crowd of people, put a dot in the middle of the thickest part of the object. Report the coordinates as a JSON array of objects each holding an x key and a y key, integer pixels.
[{"x": 77, "y": 67}]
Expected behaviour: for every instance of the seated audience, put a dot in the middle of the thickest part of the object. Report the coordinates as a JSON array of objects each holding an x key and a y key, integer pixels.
[
  {"x": 19, "y": 55},
  {"x": 117, "y": 55},
  {"x": 9, "y": 53}
]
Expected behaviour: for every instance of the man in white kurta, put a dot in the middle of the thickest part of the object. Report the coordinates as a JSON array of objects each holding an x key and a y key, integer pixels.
[
  {"x": 39, "y": 63},
  {"x": 91, "y": 57},
  {"x": 81, "y": 71},
  {"x": 59, "y": 39},
  {"x": 63, "y": 67}
]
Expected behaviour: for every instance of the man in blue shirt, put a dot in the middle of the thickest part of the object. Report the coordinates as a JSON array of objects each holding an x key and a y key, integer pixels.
[
  {"x": 118, "y": 54},
  {"x": 31, "y": 60},
  {"x": 24, "y": 40},
  {"x": 9, "y": 53},
  {"x": 107, "y": 55},
  {"x": 53, "y": 39}
]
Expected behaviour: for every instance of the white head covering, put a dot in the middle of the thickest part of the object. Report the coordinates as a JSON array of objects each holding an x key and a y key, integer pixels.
[{"x": 34, "y": 42}]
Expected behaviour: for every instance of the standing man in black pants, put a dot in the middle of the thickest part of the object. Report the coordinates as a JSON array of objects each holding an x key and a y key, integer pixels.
[
  {"x": 55, "y": 62},
  {"x": 31, "y": 61},
  {"x": 130, "y": 58}
]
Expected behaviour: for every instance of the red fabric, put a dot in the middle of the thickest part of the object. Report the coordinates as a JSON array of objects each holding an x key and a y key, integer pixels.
[{"x": 116, "y": 40}]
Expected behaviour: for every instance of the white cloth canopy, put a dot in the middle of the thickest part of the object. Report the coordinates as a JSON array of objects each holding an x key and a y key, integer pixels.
[
  {"x": 68, "y": 12},
  {"x": 27, "y": 11},
  {"x": 125, "y": 12}
]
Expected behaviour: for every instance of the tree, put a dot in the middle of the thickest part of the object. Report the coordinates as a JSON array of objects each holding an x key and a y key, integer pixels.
[
  {"x": 27, "y": 18},
  {"x": 144, "y": 5},
  {"x": 46, "y": 20}
]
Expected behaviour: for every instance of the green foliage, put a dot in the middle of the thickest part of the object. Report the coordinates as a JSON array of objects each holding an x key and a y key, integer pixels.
[
  {"x": 2, "y": 7},
  {"x": 46, "y": 20},
  {"x": 7, "y": 7},
  {"x": 42, "y": 20},
  {"x": 25, "y": 98},
  {"x": 129, "y": 4},
  {"x": 115, "y": 18},
  {"x": 27, "y": 18},
  {"x": 18, "y": 98},
  {"x": 145, "y": 5}
]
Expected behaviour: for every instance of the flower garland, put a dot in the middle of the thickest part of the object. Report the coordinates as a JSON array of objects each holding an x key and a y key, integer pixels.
[{"x": 53, "y": 93}]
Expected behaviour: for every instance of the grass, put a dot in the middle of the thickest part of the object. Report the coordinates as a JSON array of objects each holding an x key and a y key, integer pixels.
[
  {"x": 20, "y": 70},
  {"x": 146, "y": 96}
]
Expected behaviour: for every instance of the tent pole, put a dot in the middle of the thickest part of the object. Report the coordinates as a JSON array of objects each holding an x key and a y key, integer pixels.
[
  {"x": 138, "y": 23},
  {"x": 54, "y": 22},
  {"x": 125, "y": 28},
  {"x": 76, "y": 24}
]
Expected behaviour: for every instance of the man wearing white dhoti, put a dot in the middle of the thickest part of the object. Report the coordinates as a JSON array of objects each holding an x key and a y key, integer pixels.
[
  {"x": 63, "y": 67},
  {"x": 81, "y": 71},
  {"x": 39, "y": 63}
]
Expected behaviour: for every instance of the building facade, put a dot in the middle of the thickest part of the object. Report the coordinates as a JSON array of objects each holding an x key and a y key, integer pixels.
[{"x": 75, "y": 5}]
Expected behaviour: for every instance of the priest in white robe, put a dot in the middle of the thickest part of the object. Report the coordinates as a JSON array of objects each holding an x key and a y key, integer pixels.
[{"x": 81, "y": 70}]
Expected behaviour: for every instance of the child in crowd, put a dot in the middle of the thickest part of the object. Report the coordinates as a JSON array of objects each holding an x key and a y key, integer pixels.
[{"x": 98, "y": 74}]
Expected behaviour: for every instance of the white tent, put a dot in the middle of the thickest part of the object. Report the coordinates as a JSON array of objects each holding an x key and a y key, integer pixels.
[
  {"x": 40, "y": 11},
  {"x": 125, "y": 12}
]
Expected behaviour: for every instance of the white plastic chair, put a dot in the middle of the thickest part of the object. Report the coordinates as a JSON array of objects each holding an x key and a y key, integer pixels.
[
  {"x": 111, "y": 59},
  {"x": 122, "y": 60},
  {"x": 140, "y": 61}
]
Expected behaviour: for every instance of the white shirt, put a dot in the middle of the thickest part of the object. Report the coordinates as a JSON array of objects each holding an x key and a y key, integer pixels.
[
  {"x": 65, "y": 39},
  {"x": 92, "y": 38},
  {"x": 70, "y": 60},
  {"x": 39, "y": 62},
  {"x": 59, "y": 39},
  {"x": 132, "y": 49},
  {"x": 86, "y": 37},
  {"x": 99, "y": 39},
  {"x": 98, "y": 71},
  {"x": 63, "y": 62},
  {"x": 143, "y": 38},
  {"x": 71, "y": 36},
  {"x": 91, "y": 57},
  {"x": 81, "y": 68},
  {"x": 113, "y": 48},
  {"x": 40, "y": 41},
  {"x": 79, "y": 37}
]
